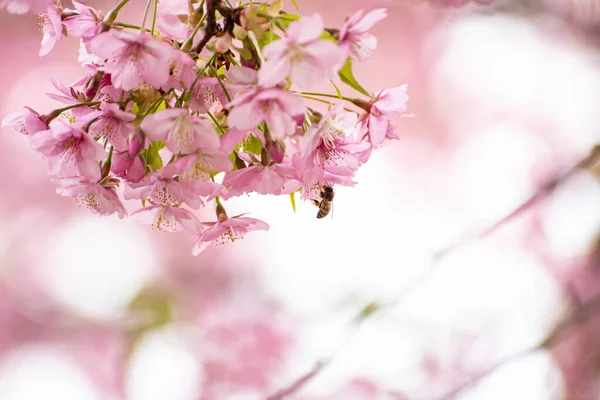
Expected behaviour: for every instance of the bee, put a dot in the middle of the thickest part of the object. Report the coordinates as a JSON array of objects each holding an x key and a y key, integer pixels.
[{"x": 326, "y": 203}]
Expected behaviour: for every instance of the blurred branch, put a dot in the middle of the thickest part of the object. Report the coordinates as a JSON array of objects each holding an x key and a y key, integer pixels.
[
  {"x": 579, "y": 316},
  {"x": 300, "y": 382},
  {"x": 549, "y": 187}
]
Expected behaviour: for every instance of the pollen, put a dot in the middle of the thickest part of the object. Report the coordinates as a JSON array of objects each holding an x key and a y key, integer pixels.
[
  {"x": 165, "y": 223},
  {"x": 228, "y": 237},
  {"x": 42, "y": 20},
  {"x": 89, "y": 200},
  {"x": 296, "y": 53},
  {"x": 182, "y": 132}
]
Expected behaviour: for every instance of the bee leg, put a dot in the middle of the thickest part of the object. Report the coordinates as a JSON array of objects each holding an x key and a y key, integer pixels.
[{"x": 316, "y": 203}]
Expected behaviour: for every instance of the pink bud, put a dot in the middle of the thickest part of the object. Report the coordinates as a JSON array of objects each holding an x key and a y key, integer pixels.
[
  {"x": 120, "y": 163},
  {"x": 137, "y": 170},
  {"x": 276, "y": 151},
  {"x": 135, "y": 144}
]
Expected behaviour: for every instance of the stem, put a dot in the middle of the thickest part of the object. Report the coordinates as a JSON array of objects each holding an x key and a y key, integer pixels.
[
  {"x": 112, "y": 14},
  {"x": 107, "y": 164},
  {"x": 211, "y": 27},
  {"x": 187, "y": 45},
  {"x": 326, "y": 102},
  {"x": 208, "y": 63},
  {"x": 333, "y": 96},
  {"x": 154, "y": 17},
  {"x": 216, "y": 122},
  {"x": 124, "y": 25},
  {"x": 143, "y": 28},
  {"x": 220, "y": 83}
]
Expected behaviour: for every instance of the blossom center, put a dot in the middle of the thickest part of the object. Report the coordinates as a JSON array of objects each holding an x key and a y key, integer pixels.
[
  {"x": 296, "y": 53},
  {"x": 182, "y": 132}
]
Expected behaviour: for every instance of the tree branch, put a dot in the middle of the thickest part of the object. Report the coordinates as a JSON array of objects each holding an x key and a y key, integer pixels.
[
  {"x": 561, "y": 331},
  {"x": 585, "y": 163}
]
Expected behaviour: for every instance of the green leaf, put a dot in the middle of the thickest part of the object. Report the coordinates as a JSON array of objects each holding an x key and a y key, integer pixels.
[
  {"x": 295, "y": 5},
  {"x": 327, "y": 36},
  {"x": 293, "y": 200},
  {"x": 161, "y": 106},
  {"x": 347, "y": 77},
  {"x": 337, "y": 90},
  {"x": 152, "y": 157},
  {"x": 252, "y": 144}
]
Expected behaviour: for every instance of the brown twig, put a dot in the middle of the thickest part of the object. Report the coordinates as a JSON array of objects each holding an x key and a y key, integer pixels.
[
  {"x": 300, "y": 382},
  {"x": 585, "y": 163},
  {"x": 211, "y": 29}
]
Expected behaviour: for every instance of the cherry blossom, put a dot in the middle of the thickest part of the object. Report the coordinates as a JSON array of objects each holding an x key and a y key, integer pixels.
[
  {"x": 301, "y": 55},
  {"x": 133, "y": 58},
  {"x": 355, "y": 36},
  {"x": 68, "y": 150},
  {"x": 27, "y": 122},
  {"x": 112, "y": 123},
  {"x": 52, "y": 27},
  {"x": 161, "y": 187},
  {"x": 198, "y": 105},
  {"x": 181, "y": 132},
  {"x": 85, "y": 21},
  {"x": 168, "y": 219},
  {"x": 276, "y": 107},
  {"x": 99, "y": 198},
  {"x": 388, "y": 104},
  {"x": 226, "y": 230}
]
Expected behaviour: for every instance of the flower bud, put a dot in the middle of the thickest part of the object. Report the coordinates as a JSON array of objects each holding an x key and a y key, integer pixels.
[
  {"x": 137, "y": 170},
  {"x": 120, "y": 163},
  {"x": 276, "y": 151},
  {"x": 221, "y": 214},
  {"x": 135, "y": 143}
]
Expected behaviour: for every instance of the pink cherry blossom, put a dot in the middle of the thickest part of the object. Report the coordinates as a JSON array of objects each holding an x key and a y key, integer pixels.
[
  {"x": 161, "y": 187},
  {"x": 255, "y": 178},
  {"x": 85, "y": 22},
  {"x": 52, "y": 28},
  {"x": 111, "y": 123},
  {"x": 206, "y": 93},
  {"x": 274, "y": 106},
  {"x": 168, "y": 219},
  {"x": 301, "y": 55},
  {"x": 182, "y": 72},
  {"x": 129, "y": 167},
  {"x": 25, "y": 122},
  {"x": 98, "y": 198},
  {"x": 24, "y": 6},
  {"x": 241, "y": 80},
  {"x": 234, "y": 136},
  {"x": 355, "y": 36},
  {"x": 329, "y": 147},
  {"x": 68, "y": 150},
  {"x": 181, "y": 132},
  {"x": 201, "y": 163},
  {"x": 226, "y": 230},
  {"x": 133, "y": 58},
  {"x": 389, "y": 104},
  {"x": 68, "y": 94},
  {"x": 174, "y": 20}
]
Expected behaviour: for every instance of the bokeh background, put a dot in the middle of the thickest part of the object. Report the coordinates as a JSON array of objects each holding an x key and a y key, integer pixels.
[{"x": 505, "y": 97}]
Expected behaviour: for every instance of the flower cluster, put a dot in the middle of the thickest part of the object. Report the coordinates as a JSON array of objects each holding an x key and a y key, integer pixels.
[{"x": 207, "y": 104}]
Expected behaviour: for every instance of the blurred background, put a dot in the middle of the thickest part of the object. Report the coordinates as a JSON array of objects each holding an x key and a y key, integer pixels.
[{"x": 505, "y": 96}]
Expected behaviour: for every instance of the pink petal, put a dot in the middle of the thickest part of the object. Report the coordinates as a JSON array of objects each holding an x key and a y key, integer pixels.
[
  {"x": 306, "y": 29},
  {"x": 274, "y": 71}
]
